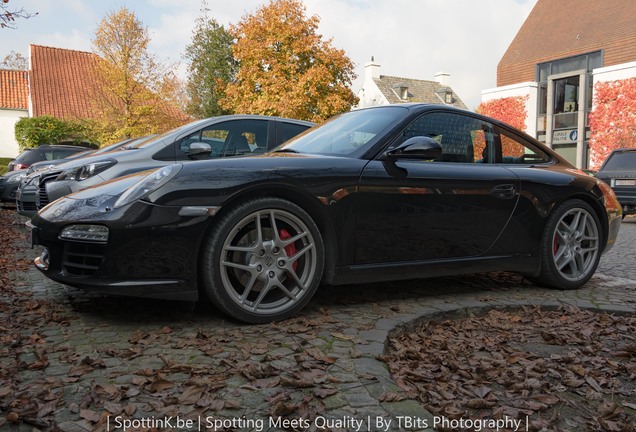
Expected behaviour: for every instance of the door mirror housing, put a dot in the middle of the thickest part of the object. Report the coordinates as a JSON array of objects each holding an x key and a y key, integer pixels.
[
  {"x": 199, "y": 149},
  {"x": 418, "y": 147}
]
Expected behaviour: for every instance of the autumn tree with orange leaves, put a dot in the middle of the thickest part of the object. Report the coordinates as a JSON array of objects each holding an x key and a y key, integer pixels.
[
  {"x": 135, "y": 94},
  {"x": 285, "y": 68}
]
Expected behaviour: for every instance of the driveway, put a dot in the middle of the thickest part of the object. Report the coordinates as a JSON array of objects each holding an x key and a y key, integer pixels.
[{"x": 73, "y": 361}]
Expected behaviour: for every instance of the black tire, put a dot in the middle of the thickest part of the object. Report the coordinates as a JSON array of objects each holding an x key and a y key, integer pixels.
[
  {"x": 570, "y": 247},
  {"x": 260, "y": 278}
]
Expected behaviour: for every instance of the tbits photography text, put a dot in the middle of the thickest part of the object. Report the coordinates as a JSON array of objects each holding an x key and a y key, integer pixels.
[{"x": 319, "y": 423}]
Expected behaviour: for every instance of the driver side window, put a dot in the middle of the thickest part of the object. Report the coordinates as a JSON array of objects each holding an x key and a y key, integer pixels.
[
  {"x": 462, "y": 138},
  {"x": 466, "y": 139},
  {"x": 231, "y": 138}
]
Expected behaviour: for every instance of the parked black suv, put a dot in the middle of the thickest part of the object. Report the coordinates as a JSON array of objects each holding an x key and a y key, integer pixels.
[
  {"x": 44, "y": 152},
  {"x": 619, "y": 171}
]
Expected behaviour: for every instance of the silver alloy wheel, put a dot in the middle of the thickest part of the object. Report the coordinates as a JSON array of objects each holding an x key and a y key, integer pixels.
[
  {"x": 575, "y": 244},
  {"x": 268, "y": 261}
]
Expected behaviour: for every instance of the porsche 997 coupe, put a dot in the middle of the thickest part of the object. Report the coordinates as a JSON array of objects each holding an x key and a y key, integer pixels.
[{"x": 377, "y": 194}]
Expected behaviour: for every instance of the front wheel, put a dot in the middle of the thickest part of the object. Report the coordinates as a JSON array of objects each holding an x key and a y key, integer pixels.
[
  {"x": 263, "y": 260},
  {"x": 571, "y": 246}
]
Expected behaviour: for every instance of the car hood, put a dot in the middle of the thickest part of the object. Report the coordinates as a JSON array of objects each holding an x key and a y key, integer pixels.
[
  {"x": 119, "y": 156},
  {"x": 11, "y": 174}
]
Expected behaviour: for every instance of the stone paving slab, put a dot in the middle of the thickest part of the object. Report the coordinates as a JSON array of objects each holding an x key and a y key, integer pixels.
[{"x": 114, "y": 340}]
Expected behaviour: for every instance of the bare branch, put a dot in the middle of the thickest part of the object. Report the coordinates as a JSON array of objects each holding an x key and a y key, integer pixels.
[{"x": 8, "y": 17}]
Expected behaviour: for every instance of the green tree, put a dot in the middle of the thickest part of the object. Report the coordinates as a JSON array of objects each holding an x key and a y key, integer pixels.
[
  {"x": 35, "y": 131},
  {"x": 285, "y": 68},
  {"x": 211, "y": 66},
  {"x": 130, "y": 81}
]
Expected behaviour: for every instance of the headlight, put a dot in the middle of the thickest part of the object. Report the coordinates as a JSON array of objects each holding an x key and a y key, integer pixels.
[
  {"x": 16, "y": 178},
  {"x": 92, "y": 233},
  {"x": 148, "y": 184},
  {"x": 86, "y": 171}
]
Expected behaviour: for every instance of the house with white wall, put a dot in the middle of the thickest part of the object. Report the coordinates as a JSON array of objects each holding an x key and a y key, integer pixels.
[
  {"x": 380, "y": 89},
  {"x": 14, "y": 104}
]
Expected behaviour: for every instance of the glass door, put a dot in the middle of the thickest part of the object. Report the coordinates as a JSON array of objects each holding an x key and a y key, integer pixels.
[{"x": 566, "y": 102}]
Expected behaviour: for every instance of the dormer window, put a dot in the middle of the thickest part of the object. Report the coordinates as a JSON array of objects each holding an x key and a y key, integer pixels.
[
  {"x": 402, "y": 91},
  {"x": 445, "y": 94}
]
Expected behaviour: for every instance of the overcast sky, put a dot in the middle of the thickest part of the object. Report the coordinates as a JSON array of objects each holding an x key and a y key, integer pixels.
[{"x": 408, "y": 38}]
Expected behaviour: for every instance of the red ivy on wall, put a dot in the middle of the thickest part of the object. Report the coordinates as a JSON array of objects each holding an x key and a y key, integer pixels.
[
  {"x": 613, "y": 120},
  {"x": 510, "y": 110}
]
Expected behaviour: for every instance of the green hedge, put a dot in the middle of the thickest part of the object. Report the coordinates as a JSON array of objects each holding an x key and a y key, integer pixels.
[{"x": 3, "y": 165}]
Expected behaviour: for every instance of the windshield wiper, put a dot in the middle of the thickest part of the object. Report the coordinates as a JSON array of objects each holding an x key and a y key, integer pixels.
[{"x": 287, "y": 150}]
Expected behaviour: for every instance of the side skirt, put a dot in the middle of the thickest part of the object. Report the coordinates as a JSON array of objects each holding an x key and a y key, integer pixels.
[{"x": 425, "y": 269}]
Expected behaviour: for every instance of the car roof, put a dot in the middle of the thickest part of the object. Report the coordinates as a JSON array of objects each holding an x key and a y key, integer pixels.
[{"x": 64, "y": 146}]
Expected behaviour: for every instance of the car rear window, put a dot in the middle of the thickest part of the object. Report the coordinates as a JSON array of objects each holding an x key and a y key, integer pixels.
[
  {"x": 29, "y": 156},
  {"x": 620, "y": 161}
]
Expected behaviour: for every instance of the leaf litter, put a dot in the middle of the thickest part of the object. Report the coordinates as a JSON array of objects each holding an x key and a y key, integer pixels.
[{"x": 562, "y": 370}]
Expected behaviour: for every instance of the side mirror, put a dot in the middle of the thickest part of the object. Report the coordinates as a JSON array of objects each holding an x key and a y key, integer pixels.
[
  {"x": 199, "y": 149},
  {"x": 419, "y": 147}
]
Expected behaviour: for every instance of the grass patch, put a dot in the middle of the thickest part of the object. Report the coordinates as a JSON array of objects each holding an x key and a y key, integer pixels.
[{"x": 3, "y": 165}]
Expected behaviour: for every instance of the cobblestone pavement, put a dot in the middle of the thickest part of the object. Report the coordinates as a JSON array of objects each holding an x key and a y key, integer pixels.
[{"x": 148, "y": 359}]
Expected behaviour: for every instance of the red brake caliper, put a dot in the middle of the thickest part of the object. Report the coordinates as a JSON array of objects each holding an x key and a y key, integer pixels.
[{"x": 290, "y": 249}]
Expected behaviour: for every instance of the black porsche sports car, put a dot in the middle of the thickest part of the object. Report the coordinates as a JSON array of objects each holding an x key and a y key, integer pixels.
[{"x": 385, "y": 193}]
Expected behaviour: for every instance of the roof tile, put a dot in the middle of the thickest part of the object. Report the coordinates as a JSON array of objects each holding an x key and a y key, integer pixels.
[
  {"x": 418, "y": 90},
  {"x": 14, "y": 89},
  {"x": 60, "y": 82}
]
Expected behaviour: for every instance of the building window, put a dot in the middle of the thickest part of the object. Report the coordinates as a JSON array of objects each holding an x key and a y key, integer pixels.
[{"x": 564, "y": 102}]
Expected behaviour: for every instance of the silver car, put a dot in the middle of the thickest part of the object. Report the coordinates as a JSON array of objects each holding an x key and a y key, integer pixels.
[{"x": 233, "y": 135}]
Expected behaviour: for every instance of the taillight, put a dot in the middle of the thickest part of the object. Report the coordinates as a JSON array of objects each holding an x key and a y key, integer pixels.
[
  {"x": 19, "y": 166},
  {"x": 609, "y": 198}
]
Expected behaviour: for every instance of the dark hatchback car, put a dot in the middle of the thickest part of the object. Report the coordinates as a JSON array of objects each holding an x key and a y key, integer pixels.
[
  {"x": 43, "y": 153},
  {"x": 619, "y": 171},
  {"x": 11, "y": 181},
  {"x": 384, "y": 193}
]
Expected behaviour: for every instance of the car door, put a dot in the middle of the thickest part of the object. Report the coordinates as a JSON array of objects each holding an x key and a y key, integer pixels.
[{"x": 454, "y": 206}]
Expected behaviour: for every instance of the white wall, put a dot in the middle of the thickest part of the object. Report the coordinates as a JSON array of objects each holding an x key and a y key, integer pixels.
[
  {"x": 8, "y": 119},
  {"x": 613, "y": 73},
  {"x": 530, "y": 89}
]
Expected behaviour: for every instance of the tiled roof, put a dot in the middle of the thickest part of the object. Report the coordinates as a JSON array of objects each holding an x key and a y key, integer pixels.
[
  {"x": 14, "y": 89},
  {"x": 63, "y": 85},
  {"x": 418, "y": 90},
  {"x": 559, "y": 29},
  {"x": 60, "y": 82}
]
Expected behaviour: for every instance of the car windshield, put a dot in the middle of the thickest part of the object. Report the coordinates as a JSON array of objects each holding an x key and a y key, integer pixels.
[
  {"x": 345, "y": 134},
  {"x": 621, "y": 161}
]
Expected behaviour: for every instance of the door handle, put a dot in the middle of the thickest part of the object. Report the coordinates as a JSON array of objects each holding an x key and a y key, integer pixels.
[{"x": 504, "y": 191}]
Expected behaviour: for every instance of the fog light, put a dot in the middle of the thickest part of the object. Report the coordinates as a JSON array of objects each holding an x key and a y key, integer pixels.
[{"x": 90, "y": 233}]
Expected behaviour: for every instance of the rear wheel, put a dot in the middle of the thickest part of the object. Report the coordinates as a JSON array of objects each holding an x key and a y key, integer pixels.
[
  {"x": 263, "y": 261},
  {"x": 571, "y": 246}
]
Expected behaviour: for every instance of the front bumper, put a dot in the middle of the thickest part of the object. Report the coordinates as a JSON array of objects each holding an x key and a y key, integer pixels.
[
  {"x": 7, "y": 191},
  {"x": 25, "y": 200},
  {"x": 151, "y": 251}
]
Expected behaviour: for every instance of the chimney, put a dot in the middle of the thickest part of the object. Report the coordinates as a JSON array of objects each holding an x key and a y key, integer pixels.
[
  {"x": 371, "y": 70},
  {"x": 443, "y": 78}
]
